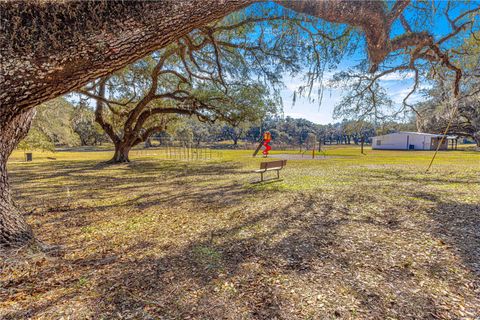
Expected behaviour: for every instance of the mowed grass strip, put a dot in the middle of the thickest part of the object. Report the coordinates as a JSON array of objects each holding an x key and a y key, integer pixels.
[{"x": 351, "y": 236}]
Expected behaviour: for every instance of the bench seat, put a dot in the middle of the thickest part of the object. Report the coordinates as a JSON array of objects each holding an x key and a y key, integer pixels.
[
  {"x": 271, "y": 166},
  {"x": 269, "y": 169}
]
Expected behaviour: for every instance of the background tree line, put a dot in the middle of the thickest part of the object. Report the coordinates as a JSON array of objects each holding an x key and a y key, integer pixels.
[{"x": 76, "y": 126}]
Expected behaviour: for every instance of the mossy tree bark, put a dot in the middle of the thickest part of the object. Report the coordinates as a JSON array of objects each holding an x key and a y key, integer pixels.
[{"x": 14, "y": 231}]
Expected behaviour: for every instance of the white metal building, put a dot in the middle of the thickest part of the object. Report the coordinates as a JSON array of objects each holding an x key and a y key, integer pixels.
[{"x": 412, "y": 141}]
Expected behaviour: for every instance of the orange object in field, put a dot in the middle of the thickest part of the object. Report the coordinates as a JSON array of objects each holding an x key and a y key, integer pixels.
[{"x": 267, "y": 137}]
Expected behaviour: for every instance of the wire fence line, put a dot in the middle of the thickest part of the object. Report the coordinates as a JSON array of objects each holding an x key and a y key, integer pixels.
[
  {"x": 300, "y": 148},
  {"x": 184, "y": 153}
]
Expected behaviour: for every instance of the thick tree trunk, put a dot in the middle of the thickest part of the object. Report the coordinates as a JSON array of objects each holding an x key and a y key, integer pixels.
[
  {"x": 122, "y": 151},
  {"x": 14, "y": 231}
]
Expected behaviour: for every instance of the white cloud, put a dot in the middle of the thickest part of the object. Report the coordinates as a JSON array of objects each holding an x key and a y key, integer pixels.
[
  {"x": 398, "y": 76},
  {"x": 398, "y": 96}
]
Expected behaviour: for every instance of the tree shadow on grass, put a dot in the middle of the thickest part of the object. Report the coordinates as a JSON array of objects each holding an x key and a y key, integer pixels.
[
  {"x": 273, "y": 265},
  {"x": 458, "y": 225},
  {"x": 232, "y": 274},
  {"x": 40, "y": 180},
  {"x": 194, "y": 281},
  {"x": 92, "y": 169}
]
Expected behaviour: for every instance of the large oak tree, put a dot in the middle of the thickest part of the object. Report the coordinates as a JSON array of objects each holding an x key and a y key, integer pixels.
[
  {"x": 50, "y": 48},
  {"x": 222, "y": 71}
]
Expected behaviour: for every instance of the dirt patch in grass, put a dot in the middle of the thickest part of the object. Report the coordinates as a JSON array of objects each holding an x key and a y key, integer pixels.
[{"x": 186, "y": 240}]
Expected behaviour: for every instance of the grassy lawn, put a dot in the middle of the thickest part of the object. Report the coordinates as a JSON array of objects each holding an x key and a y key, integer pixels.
[{"x": 349, "y": 236}]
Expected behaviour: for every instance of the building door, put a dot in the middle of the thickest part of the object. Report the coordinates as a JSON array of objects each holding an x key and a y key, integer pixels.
[{"x": 410, "y": 146}]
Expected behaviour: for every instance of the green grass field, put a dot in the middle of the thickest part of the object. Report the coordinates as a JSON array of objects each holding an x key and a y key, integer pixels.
[{"x": 349, "y": 236}]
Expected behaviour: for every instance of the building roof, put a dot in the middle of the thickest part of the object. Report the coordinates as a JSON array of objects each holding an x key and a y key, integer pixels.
[{"x": 433, "y": 135}]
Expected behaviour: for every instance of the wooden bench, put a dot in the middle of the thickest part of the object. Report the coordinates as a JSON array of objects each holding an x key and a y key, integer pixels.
[{"x": 270, "y": 166}]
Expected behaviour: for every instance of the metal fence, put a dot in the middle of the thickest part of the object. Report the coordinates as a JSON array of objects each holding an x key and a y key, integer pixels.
[{"x": 184, "y": 153}]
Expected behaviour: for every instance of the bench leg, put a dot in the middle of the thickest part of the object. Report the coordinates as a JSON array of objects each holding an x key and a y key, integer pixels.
[
  {"x": 261, "y": 173},
  {"x": 278, "y": 174}
]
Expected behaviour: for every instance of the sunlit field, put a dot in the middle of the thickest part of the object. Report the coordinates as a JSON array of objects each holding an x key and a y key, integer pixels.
[{"x": 344, "y": 236}]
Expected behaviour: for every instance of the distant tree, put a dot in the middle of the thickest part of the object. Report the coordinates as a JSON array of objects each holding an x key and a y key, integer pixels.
[
  {"x": 393, "y": 126},
  {"x": 294, "y": 131},
  {"x": 268, "y": 123},
  {"x": 201, "y": 131},
  {"x": 53, "y": 119},
  {"x": 36, "y": 140},
  {"x": 298, "y": 129},
  {"x": 310, "y": 141},
  {"x": 281, "y": 137},
  {"x": 250, "y": 106},
  {"x": 184, "y": 134},
  {"x": 234, "y": 132},
  {"x": 84, "y": 125},
  {"x": 437, "y": 114},
  {"x": 51, "y": 127},
  {"x": 164, "y": 137},
  {"x": 359, "y": 131},
  {"x": 460, "y": 115}
]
